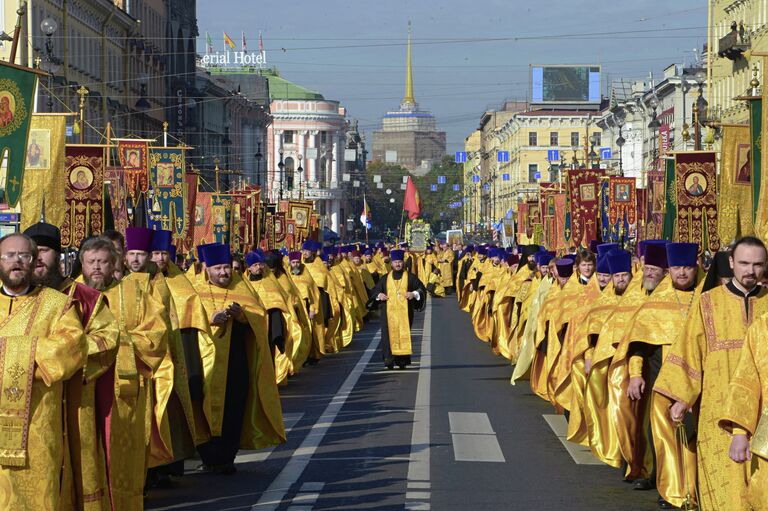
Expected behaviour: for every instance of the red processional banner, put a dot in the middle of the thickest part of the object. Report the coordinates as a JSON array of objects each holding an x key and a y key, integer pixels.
[
  {"x": 191, "y": 191},
  {"x": 696, "y": 184},
  {"x": 522, "y": 218},
  {"x": 134, "y": 158},
  {"x": 560, "y": 201},
  {"x": 83, "y": 193},
  {"x": 118, "y": 197},
  {"x": 583, "y": 188},
  {"x": 623, "y": 200},
  {"x": 203, "y": 228}
]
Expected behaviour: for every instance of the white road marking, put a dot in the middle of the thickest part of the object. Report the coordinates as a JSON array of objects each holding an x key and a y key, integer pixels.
[
  {"x": 581, "y": 455},
  {"x": 485, "y": 448},
  {"x": 418, "y": 467},
  {"x": 292, "y": 471},
  {"x": 290, "y": 420},
  {"x": 473, "y": 438},
  {"x": 475, "y": 423}
]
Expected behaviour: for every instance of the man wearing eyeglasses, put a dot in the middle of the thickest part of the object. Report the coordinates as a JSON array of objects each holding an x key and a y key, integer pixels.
[
  {"x": 89, "y": 392},
  {"x": 42, "y": 346}
]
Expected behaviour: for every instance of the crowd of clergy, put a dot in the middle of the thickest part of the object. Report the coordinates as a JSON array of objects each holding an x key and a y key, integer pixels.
[
  {"x": 118, "y": 365},
  {"x": 657, "y": 358}
]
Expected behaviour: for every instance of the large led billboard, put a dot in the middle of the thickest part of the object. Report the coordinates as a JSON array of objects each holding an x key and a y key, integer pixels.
[{"x": 565, "y": 84}]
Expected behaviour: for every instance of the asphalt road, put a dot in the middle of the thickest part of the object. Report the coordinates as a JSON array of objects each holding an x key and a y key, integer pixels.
[{"x": 449, "y": 433}]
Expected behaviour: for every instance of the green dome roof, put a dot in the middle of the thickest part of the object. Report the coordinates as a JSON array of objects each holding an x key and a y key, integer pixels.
[{"x": 280, "y": 88}]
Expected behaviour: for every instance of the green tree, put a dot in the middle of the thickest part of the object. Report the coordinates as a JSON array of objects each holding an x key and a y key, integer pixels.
[{"x": 436, "y": 205}]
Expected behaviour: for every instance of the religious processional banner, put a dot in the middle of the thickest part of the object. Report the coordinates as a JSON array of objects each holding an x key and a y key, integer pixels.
[
  {"x": 83, "y": 193},
  {"x": 583, "y": 187},
  {"x": 642, "y": 213},
  {"x": 696, "y": 185},
  {"x": 221, "y": 205},
  {"x": 547, "y": 193},
  {"x": 134, "y": 158},
  {"x": 239, "y": 220},
  {"x": 166, "y": 178},
  {"x": 300, "y": 212},
  {"x": 758, "y": 110},
  {"x": 607, "y": 232},
  {"x": 735, "y": 197},
  {"x": 280, "y": 229},
  {"x": 44, "y": 171},
  {"x": 534, "y": 218},
  {"x": 522, "y": 220},
  {"x": 268, "y": 242},
  {"x": 623, "y": 200},
  {"x": 253, "y": 216},
  {"x": 560, "y": 241},
  {"x": 17, "y": 86},
  {"x": 114, "y": 178},
  {"x": 190, "y": 180},
  {"x": 670, "y": 200},
  {"x": 203, "y": 227},
  {"x": 656, "y": 201}
]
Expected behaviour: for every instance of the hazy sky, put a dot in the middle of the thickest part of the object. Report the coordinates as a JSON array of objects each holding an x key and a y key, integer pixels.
[{"x": 468, "y": 55}]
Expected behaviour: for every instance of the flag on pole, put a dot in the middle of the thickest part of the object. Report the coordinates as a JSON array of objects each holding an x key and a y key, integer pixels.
[
  {"x": 412, "y": 202},
  {"x": 244, "y": 47},
  {"x": 228, "y": 41},
  {"x": 365, "y": 217},
  {"x": 261, "y": 43},
  {"x": 208, "y": 43}
]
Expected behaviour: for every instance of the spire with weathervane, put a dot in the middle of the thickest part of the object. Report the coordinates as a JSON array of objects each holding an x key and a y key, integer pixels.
[{"x": 409, "y": 103}]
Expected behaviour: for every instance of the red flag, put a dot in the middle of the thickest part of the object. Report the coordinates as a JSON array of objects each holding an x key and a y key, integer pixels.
[{"x": 412, "y": 202}]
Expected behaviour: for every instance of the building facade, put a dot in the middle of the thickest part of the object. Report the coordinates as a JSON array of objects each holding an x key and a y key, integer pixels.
[
  {"x": 308, "y": 136},
  {"x": 409, "y": 136}
]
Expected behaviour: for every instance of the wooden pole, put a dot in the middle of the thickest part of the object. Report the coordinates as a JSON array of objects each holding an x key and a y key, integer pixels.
[{"x": 21, "y": 11}]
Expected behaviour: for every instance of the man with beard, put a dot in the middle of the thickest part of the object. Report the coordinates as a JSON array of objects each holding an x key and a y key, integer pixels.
[
  {"x": 445, "y": 263},
  {"x": 44, "y": 346},
  {"x": 647, "y": 437},
  {"x": 178, "y": 382},
  {"x": 266, "y": 288},
  {"x": 398, "y": 294},
  {"x": 654, "y": 266},
  {"x": 143, "y": 346},
  {"x": 88, "y": 393},
  {"x": 328, "y": 307},
  {"x": 298, "y": 323},
  {"x": 118, "y": 240},
  {"x": 700, "y": 367},
  {"x": 600, "y": 407},
  {"x": 310, "y": 295},
  {"x": 241, "y": 402}
]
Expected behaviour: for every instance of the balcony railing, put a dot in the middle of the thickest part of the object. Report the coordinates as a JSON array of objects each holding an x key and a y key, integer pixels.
[{"x": 734, "y": 44}]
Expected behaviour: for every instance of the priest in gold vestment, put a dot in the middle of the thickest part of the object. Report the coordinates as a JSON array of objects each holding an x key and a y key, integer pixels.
[
  {"x": 700, "y": 366},
  {"x": 143, "y": 346},
  {"x": 241, "y": 403},
  {"x": 89, "y": 393},
  {"x": 398, "y": 295},
  {"x": 42, "y": 345}
]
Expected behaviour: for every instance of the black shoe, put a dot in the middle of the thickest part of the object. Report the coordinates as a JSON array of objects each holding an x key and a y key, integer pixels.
[
  {"x": 663, "y": 504},
  {"x": 643, "y": 485},
  {"x": 390, "y": 366}
]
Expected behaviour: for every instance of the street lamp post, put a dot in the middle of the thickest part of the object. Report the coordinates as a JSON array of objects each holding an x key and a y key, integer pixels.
[
  {"x": 48, "y": 26},
  {"x": 700, "y": 117},
  {"x": 281, "y": 167},
  {"x": 620, "y": 118},
  {"x": 301, "y": 177}
]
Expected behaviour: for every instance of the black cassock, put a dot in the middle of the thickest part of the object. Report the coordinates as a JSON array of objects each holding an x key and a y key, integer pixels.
[{"x": 414, "y": 284}]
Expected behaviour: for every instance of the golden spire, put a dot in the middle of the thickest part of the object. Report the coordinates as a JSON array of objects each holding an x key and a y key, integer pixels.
[{"x": 409, "y": 73}]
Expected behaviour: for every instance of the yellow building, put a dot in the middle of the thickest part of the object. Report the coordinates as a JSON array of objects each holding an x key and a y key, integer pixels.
[
  {"x": 529, "y": 137},
  {"x": 471, "y": 189},
  {"x": 739, "y": 31}
]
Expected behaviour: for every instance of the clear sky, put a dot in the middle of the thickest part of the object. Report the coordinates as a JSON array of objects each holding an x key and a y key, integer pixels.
[{"x": 468, "y": 55}]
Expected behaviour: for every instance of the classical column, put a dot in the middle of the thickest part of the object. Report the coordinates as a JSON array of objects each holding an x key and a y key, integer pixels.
[
  {"x": 274, "y": 171},
  {"x": 333, "y": 206},
  {"x": 311, "y": 164},
  {"x": 335, "y": 164},
  {"x": 303, "y": 158}
]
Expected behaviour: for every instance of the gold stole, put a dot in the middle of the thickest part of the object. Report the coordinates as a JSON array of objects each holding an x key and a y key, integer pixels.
[
  {"x": 17, "y": 364},
  {"x": 397, "y": 315}
]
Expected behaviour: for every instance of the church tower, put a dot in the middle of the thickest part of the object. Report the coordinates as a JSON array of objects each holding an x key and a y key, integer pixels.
[{"x": 409, "y": 136}]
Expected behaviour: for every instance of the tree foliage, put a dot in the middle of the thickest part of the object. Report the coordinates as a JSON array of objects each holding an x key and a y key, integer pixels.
[{"x": 436, "y": 205}]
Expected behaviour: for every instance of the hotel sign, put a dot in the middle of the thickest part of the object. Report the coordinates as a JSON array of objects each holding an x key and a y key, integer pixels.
[{"x": 233, "y": 62}]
